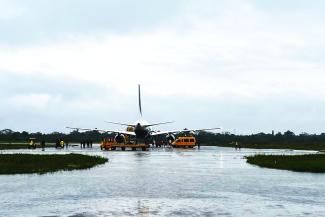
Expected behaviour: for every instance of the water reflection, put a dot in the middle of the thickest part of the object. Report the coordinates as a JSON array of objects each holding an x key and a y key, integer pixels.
[{"x": 143, "y": 208}]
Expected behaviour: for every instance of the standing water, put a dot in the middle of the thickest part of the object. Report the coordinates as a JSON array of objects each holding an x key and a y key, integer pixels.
[{"x": 207, "y": 182}]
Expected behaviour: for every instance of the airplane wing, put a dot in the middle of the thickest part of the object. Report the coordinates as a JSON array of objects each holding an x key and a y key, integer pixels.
[
  {"x": 132, "y": 125},
  {"x": 184, "y": 130},
  {"x": 103, "y": 131}
]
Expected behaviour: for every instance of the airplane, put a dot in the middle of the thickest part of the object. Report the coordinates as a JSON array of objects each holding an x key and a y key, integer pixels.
[{"x": 141, "y": 129}]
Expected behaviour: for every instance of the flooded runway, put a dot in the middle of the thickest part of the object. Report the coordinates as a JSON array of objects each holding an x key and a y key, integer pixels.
[{"x": 163, "y": 182}]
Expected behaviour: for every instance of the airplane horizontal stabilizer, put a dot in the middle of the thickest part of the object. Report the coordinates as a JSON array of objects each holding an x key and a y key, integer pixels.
[
  {"x": 155, "y": 124},
  {"x": 122, "y": 124},
  {"x": 103, "y": 131},
  {"x": 184, "y": 130}
]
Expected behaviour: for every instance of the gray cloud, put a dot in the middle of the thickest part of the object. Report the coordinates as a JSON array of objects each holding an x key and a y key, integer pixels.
[
  {"x": 242, "y": 65},
  {"x": 86, "y": 105},
  {"x": 34, "y": 21}
]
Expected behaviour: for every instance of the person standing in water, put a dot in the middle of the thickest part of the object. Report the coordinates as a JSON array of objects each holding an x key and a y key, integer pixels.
[{"x": 43, "y": 145}]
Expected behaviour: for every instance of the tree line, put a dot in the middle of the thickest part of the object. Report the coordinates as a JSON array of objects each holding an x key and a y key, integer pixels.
[
  {"x": 8, "y": 135},
  {"x": 286, "y": 138},
  {"x": 207, "y": 138}
]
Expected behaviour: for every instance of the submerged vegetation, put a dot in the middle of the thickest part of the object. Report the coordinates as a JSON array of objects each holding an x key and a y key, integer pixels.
[
  {"x": 301, "y": 163},
  {"x": 41, "y": 163}
]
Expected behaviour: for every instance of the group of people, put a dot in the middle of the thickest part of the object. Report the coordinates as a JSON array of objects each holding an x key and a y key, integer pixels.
[
  {"x": 59, "y": 143},
  {"x": 84, "y": 144},
  {"x": 158, "y": 144}
]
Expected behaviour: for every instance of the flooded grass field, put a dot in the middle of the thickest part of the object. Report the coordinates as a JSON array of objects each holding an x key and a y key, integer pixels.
[{"x": 207, "y": 182}]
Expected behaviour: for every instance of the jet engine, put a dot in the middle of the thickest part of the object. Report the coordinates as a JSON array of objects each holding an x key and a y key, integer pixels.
[
  {"x": 188, "y": 133},
  {"x": 120, "y": 138},
  {"x": 170, "y": 138}
]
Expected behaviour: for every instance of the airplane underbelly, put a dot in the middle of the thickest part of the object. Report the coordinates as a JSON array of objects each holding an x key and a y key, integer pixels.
[{"x": 141, "y": 134}]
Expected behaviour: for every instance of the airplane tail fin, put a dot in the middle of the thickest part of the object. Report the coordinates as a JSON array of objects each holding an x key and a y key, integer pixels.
[
  {"x": 139, "y": 93},
  {"x": 140, "y": 111}
]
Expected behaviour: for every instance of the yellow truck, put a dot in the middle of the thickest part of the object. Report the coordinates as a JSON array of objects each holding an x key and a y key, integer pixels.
[
  {"x": 32, "y": 143},
  {"x": 184, "y": 142}
]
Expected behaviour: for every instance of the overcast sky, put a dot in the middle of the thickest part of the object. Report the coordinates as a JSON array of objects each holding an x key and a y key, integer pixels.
[{"x": 246, "y": 65}]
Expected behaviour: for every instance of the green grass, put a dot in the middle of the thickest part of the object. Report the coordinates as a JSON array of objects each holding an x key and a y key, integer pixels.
[
  {"x": 22, "y": 145},
  {"x": 36, "y": 163},
  {"x": 315, "y": 147},
  {"x": 314, "y": 163},
  {"x": 4, "y": 146}
]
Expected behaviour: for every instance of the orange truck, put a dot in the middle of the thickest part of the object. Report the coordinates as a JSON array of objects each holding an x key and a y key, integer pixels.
[{"x": 107, "y": 144}]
